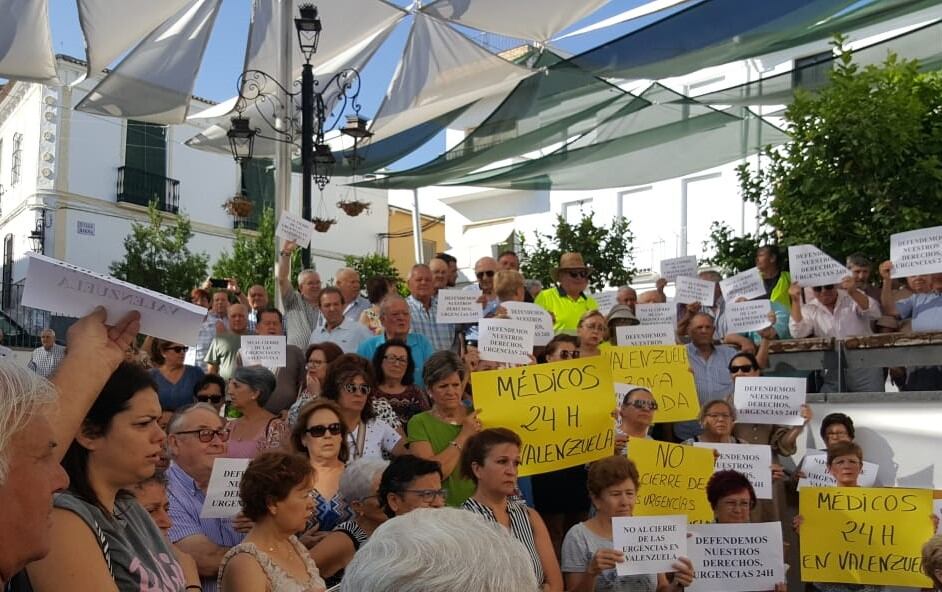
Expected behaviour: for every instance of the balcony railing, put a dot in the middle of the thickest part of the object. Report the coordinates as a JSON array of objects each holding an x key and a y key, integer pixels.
[{"x": 140, "y": 187}]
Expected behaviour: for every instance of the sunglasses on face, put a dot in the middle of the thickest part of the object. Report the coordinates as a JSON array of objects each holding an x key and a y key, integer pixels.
[
  {"x": 206, "y": 435},
  {"x": 822, "y": 288},
  {"x": 738, "y": 369},
  {"x": 569, "y": 355},
  {"x": 364, "y": 389},
  {"x": 578, "y": 274},
  {"x": 642, "y": 404},
  {"x": 180, "y": 349},
  {"x": 482, "y": 274},
  {"x": 214, "y": 399},
  {"x": 318, "y": 431}
]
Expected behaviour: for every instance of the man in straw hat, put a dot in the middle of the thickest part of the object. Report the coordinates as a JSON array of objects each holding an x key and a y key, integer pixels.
[{"x": 567, "y": 301}]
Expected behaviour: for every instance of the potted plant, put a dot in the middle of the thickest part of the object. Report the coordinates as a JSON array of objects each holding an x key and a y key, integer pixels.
[
  {"x": 239, "y": 206},
  {"x": 353, "y": 207},
  {"x": 323, "y": 224}
]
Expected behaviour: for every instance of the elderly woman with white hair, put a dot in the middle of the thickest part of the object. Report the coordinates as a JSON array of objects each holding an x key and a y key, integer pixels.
[
  {"x": 359, "y": 486},
  {"x": 417, "y": 552},
  {"x": 258, "y": 429}
]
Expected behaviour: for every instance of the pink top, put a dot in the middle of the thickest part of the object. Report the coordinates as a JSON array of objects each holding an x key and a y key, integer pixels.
[{"x": 275, "y": 432}]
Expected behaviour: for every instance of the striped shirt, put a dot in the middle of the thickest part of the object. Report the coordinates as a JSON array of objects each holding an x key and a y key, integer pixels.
[
  {"x": 520, "y": 528},
  {"x": 441, "y": 335},
  {"x": 300, "y": 319}
]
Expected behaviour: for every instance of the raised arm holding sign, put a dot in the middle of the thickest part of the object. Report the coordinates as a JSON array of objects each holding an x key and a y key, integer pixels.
[
  {"x": 747, "y": 284},
  {"x": 671, "y": 269},
  {"x": 657, "y": 313},
  {"x": 760, "y": 399},
  {"x": 916, "y": 252},
  {"x": 811, "y": 267},
  {"x": 292, "y": 227},
  {"x": 458, "y": 306},
  {"x": 688, "y": 290}
]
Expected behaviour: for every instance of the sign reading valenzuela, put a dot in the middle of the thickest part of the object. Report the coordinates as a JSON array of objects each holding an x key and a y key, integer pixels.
[
  {"x": 650, "y": 544},
  {"x": 662, "y": 369}
]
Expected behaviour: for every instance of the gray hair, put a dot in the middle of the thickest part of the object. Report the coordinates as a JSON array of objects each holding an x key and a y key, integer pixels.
[
  {"x": 344, "y": 270},
  {"x": 23, "y": 395},
  {"x": 387, "y": 301},
  {"x": 441, "y": 365},
  {"x": 173, "y": 426},
  {"x": 416, "y": 552},
  {"x": 356, "y": 483},
  {"x": 258, "y": 378},
  {"x": 308, "y": 271}
]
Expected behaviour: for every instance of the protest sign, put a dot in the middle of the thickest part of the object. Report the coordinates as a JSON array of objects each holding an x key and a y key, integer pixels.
[
  {"x": 761, "y": 399},
  {"x": 671, "y": 269},
  {"x": 222, "y": 493},
  {"x": 658, "y": 313},
  {"x": 532, "y": 313},
  {"x": 688, "y": 290},
  {"x": 672, "y": 479},
  {"x": 747, "y": 284},
  {"x": 815, "y": 468},
  {"x": 736, "y": 557},
  {"x": 294, "y": 228},
  {"x": 858, "y": 535},
  {"x": 744, "y": 317},
  {"x": 916, "y": 252},
  {"x": 650, "y": 544},
  {"x": 660, "y": 334},
  {"x": 562, "y": 411},
  {"x": 505, "y": 340},
  {"x": 810, "y": 266},
  {"x": 662, "y": 369},
  {"x": 263, "y": 350},
  {"x": 458, "y": 306},
  {"x": 66, "y": 289},
  {"x": 606, "y": 300},
  {"x": 752, "y": 460}
]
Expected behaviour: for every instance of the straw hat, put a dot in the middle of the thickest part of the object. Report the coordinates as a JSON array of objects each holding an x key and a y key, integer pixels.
[
  {"x": 621, "y": 311},
  {"x": 570, "y": 261}
]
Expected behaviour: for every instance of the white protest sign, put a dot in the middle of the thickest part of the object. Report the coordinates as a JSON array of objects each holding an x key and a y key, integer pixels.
[
  {"x": 660, "y": 334},
  {"x": 671, "y": 269},
  {"x": 752, "y": 315},
  {"x": 263, "y": 350},
  {"x": 657, "y": 313},
  {"x": 606, "y": 300},
  {"x": 651, "y": 544},
  {"x": 222, "y": 493},
  {"x": 532, "y": 313},
  {"x": 688, "y": 290},
  {"x": 752, "y": 460},
  {"x": 505, "y": 340},
  {"x": 917, "y": 252},
  {"x": 810, "y": 266},
  {"x": 72, "y": 291},
  {"x": 458, "y": 306},
  {"x": 772, "y": 400},
  {"x": 747, "y": 284},
  {"x": 294, "y": 228},
  {"x": 815, "y": 468},
  {"x": 736, "y": 557}
]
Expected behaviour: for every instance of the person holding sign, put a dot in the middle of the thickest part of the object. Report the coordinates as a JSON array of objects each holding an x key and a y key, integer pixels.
[
  {"x": 588, "y": 559},
  {"x": 490, "y": 459},
  {"x": 592, "y": 333}
]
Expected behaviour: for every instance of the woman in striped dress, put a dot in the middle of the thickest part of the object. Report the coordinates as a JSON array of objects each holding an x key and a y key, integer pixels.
[{"x": 490, "y": 459}]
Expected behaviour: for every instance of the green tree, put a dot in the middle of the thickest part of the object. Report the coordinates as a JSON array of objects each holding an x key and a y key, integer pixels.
[
  {"x": 157, "y": 256},
  {"x": 373, "y": 265},
  {"x": 606, "y": 249}
]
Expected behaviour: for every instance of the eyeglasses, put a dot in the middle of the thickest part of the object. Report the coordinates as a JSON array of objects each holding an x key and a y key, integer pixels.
[
  {"x": 738, "y": 369},
  {"x": 312, "y": 364},
  {"x": 206, "y": 435},
  {"x": 578, "y": 274},
  {"x": 364, "y": 389},
  {"x": 428, "y": 495},
  {"x": 395, "y": 359},
  {"x": 642, "y": 404},
  {"x": 737, "y": 504},
  {"x": 482, "y": 274},
  {"x": 569, "y": 355},
  {"x": 214, "y": 399},
  {"x": 822, "y": 288},
  {"x": 180, "y": 349},
  {"x": 726, "y": 416},
  {"x": 318, "y": 431}
]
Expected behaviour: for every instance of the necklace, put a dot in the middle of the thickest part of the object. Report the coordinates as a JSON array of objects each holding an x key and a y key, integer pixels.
[{"x": 437, "y": 413}]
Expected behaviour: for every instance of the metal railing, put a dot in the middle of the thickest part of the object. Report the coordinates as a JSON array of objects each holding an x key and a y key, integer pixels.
[{"x": 141, "y": 188}]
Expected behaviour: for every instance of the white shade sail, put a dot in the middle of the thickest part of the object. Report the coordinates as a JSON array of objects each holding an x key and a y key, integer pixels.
[
  {"x": 537, "y": 20},
  {"x": 25, "y": 41}
]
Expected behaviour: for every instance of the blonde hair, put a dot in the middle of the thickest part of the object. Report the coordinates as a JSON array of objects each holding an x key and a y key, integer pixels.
[{"x": 507, "y": 283}]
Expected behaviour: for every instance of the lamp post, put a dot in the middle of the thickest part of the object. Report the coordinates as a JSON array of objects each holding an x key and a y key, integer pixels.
[
  {"x": 37, "y": 235},
  {"x": 317, "y": 159}
]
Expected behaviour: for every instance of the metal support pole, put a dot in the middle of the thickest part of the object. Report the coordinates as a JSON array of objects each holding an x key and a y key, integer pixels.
[
  {"x": 417, "y": 227},
  {"x": 307, "y": 148},
  {"x": 283, "y": 149}
]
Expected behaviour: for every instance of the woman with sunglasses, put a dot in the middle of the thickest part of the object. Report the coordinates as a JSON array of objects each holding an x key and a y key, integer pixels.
[
  {"x": 257, "y": 429},
  {"x": 321, "y": 435},
  {"x": 175, "y": 380},
  {"x": 394, "y": 368},
  {"x": 635, "y": 417},
  {"x": 592, "y": 333},
  {"x": 350, "y": 384},
  {"x": 211, "y": 390},
  {"x": 318, "y": 356}
]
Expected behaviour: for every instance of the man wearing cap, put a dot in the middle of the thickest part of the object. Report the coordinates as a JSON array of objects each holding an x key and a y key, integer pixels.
[
  {"x": 567, "y": 302},
  {"x": 621, "y": 315}
]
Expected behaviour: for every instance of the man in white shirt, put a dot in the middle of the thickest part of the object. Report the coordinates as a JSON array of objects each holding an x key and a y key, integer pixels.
[
  {"x": 345, "y": 332},
  {"x": 844, "y": 311},
  {"x": 347, "y": 281}
]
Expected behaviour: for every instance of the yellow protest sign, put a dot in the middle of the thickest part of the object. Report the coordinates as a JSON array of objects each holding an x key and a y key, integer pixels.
[
  {"x": 672, "y": 479},
  {"x": 864, "y": 535},
  {"x": 665, "y": 371},
  {"x": 562, "y": 411}
]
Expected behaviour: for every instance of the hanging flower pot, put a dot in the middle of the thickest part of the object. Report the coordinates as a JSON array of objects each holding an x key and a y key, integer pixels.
[
  {"x": 323, "y": 224},
  {"x": 238, "y": 206},
  {"x": 353, "y": 207}
]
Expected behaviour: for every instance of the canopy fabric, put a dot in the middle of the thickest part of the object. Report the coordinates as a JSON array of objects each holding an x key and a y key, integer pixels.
[
  {"x": 645, "y": 9},
  {"x": 26, "y": 41},
  {"x": 155, "y": 81},
  {"x": 111, "y": 28},
  {"x": 536, "y": 20}
]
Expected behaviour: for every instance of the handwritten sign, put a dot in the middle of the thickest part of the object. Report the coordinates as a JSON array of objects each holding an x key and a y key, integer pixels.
[
  {"x": 263, "y": 350},
  {"x": 70, "y": 290},
  {"x": 815, "y": 468},
  {"x": 752, "y": 315},
  {"x": 458, "y": 306},
  {"x": 532, "y": 313},
  {"x": 747, "y": 284},
  {"x": 657, "y": 313},
  {"x": 672, "y": 479},
  {"x": 222, "y": 493},
  {"x": 294, "y": 228},
  {"x": 606, "y": 300},
  {"x": 736, "y": 557},
  {"x": 562, "y": 411},
  {"x": 857, "y": 535},
  {"x": 688, "y": 290},
  {"x": 660, "y": 334},
  {"x": 810, "y": 267},
  {"x": 662, "y": 369},
  {"x": 917, "y": 252},
  {"x": 752, "y": 460},
  {"x": 505, "y": 340},
  {"x": 761, "y": 399},
  {"x": 650, "y": 544},
  {"x": 671, "y": 269}
]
